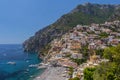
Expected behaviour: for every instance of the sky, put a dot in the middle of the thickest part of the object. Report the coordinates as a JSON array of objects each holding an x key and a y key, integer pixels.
[{"x": 20, "y": 19}]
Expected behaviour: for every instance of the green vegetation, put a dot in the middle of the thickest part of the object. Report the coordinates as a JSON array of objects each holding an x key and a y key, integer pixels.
[
  {"x": 45, "y": 50},
  {"x": 71, "y": 70},
  {"x": 99, "y": 52},
  {"x": 106, "y": 70},
  {"x": 88, "y": 73},
  {"x": 85, "y": 51},
  {"x": 76, "y": 78},
  {"x": 113, "y": 54},
  {"x": 68, "y": 55},
  {"x": 103, "y": 35},
  {"x": 92, "y": 32},
  {"x": 111, "y": 69},
  {"x": 78, "y": 61},
  {"x": 117, "y": 37}
]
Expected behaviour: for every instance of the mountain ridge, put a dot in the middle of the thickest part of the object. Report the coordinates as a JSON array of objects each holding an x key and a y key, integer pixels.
[{"x": 82, "y": 14}]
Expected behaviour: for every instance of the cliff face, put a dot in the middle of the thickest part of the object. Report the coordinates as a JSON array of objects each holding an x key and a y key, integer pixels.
[{"x": 82, "y": 14}]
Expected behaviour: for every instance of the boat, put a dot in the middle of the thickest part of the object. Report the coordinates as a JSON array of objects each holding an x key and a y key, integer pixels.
[
  {"x": 41, "y": 67},
  {"x": 33, "y": 65},
  {"x": 11, "y": 63}
]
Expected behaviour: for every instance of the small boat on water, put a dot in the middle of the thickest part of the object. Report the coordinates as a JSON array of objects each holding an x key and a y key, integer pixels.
[
  {"x": 41, "y": 67},
  {"x": 33, "y": 65},
  {"x": 11, "y": 63},
  {"x": 43, "y": 64}
]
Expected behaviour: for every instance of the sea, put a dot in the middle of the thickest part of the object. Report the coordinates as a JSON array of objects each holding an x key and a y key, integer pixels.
[{"x": 15, "y": 64}]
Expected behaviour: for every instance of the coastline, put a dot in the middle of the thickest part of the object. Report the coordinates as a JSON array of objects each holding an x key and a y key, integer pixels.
[{"x": 53, "y": 73}]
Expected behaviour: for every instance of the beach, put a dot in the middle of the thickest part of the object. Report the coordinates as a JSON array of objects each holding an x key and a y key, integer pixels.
[{"x": 53, "y": 73}]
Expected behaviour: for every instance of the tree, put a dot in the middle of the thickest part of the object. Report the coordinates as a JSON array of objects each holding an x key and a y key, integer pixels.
[
  {"x": 78, "y": 61},
  {"x": 88, "y": 73},
  {"x": 99, "y": 52},
  {"x": 111, "y": 69},
  {"x": 113, "y": 54},
  {"x": 106, "y": 71}
]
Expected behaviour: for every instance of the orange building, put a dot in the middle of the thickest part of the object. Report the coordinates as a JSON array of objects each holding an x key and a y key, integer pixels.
[{"x": 75, "y": 45}]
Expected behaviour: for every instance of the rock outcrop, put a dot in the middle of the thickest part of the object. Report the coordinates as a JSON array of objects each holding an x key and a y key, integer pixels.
[{"x": 82, "y": 14}]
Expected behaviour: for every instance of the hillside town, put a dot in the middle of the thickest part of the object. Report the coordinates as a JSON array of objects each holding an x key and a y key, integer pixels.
[{"x": 77, "y": 49}]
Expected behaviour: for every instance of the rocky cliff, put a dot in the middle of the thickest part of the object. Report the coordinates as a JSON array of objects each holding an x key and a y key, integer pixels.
[{"x": 83, "y": 14}]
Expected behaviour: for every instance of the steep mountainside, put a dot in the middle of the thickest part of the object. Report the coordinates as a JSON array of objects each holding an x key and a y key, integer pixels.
[{"x": 82, "y": 14}]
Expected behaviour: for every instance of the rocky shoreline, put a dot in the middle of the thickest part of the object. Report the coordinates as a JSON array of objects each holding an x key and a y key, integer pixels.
[{"x": 53, "y": 73}]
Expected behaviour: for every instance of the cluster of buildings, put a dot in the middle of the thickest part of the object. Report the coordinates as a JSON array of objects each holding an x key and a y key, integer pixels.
[{"x": 94, "y": 36}]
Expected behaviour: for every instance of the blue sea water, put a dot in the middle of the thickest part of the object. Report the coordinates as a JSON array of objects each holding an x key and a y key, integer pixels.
[{"x": 21, "y": 70}]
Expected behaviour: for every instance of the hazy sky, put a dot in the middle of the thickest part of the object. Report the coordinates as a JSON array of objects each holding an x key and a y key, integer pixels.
[{"x": 20, "y": 19}]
